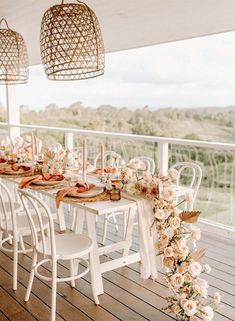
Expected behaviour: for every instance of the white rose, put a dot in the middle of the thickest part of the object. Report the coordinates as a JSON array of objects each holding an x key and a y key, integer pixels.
[
  {"x": 208, "y": 313},
  {"x": 207, "y": 268},
  {"x": 160, "y": 214},
  {"x": 168, "y": 251},
  {"x": 177, "y": 280},
  {"x": 195, "y": 234},
  {"x": 175, "y": 222},
  {"x": 195, "y": 269},
  {"x": 190, "y": 307},
  {"x": 202, "y": 290},
  {"x": 169, "y": 231},
  {"x": 217, "y": 297}
]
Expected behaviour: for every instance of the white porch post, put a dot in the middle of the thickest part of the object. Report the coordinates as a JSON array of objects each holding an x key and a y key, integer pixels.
[
  {"x": 162, "y": 157},
  {"x": 13, "y": 112},
  {"x": 69, "y": 140}
]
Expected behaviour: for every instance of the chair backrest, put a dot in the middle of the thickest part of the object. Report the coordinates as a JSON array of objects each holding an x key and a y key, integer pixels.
[
  {"x": 7, "y": 211},
  {"x": 108, "y": 156},
  {"x": 189, "y": 175},
  {"x": 149, "y": 163},
  {"x": 36, "y": 209}
]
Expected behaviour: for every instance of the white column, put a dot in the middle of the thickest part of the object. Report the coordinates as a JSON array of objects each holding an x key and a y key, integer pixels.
[
  {"x": 13, "y": 112},
  {"x": 162, "y": 157},
  {"x": 69, "y": 140}
]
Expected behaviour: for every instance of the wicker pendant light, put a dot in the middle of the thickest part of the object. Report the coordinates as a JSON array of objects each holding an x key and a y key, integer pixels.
[
  {"x": 71, "y": 42},
  {"x": 13, "y": 57}
]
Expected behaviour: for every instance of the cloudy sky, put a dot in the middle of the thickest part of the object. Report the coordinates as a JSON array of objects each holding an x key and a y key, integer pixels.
[{"x": 190, "y": 73}]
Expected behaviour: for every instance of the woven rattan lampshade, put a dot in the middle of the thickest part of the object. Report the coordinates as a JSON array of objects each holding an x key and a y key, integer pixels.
[
  {"x": 71, "y": 42},
  {"x": 13, "y": 57}
]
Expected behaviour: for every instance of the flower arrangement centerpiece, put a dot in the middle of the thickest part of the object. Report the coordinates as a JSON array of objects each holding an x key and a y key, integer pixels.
[
  {"x": 14, "y": 151},
  {"x": 55, "y": 162},
  {"x": 176, "y": 245}
]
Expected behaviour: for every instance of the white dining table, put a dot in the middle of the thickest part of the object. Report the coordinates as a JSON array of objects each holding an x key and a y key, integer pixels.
[{"x": 88, "y": 211}]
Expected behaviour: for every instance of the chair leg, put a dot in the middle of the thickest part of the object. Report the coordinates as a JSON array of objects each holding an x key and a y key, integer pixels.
[
  {"x": 71, "y": 262},
  {"x": 53, "y": 291},
  {"x": 22, "y": 244},
  {"x": 15, "y": 263},
  {"x": 116, "y": 225},
  {"x": 105, "y": 229},
  {"x": 31, "y": 277},
  {"x": 95, "y": 296},
  {"x": 74, "y": 216}
]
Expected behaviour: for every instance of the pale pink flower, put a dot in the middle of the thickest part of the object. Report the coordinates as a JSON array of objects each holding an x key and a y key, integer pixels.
[
  {"x": 168, "y": 251},
  {"x": 190, "y": 308},
  {"x": 217, "y": 297},
  {"x": 193, "y": 318},
  {"x": 173, "y": 173},
  {"x": 195, "y": 269},
  {"x": 207, "y": 268},
  {"x": 208, "y": 313},
  {"x": 195, "y": 234},
  {"x": 175, "y": 222},
  {"x": 160, "y": 214},
  {"x": 177, "y": 280}
]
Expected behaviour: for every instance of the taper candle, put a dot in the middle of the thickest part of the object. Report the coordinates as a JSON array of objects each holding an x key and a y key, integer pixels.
[
  {"x": 84, "y": 155},
  {"x": 102, "y": 159}
]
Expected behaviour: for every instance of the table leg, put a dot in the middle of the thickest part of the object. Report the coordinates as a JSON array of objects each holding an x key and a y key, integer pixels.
[
  {"x": 129, "y": 230},
  {"x": 61, "y": 219},
  {"x": 98, "y": 282},
  {"x": 79, "y": 220}
]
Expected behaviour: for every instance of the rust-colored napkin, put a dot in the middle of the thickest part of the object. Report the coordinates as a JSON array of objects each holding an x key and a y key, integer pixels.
[
  {"x": 44, "y": 177},
  {"x": 80, "y": 187},
  {"x": 107, "y": 170},
  {"x": 14, "y": 168}
]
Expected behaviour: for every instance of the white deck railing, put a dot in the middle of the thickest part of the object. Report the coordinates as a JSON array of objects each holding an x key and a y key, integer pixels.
[{"x": 162, "y": 152}]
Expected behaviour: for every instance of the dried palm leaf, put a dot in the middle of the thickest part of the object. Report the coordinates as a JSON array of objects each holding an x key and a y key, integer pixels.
[
  {"x": 190, "y": 216},
  {"x": 197, "y": 255}
]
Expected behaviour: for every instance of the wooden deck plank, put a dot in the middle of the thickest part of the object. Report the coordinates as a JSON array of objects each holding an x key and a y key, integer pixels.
[{"x": 126, "y": 298}]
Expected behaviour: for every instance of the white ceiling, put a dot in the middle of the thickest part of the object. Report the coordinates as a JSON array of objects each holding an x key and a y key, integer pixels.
[{"x": 129, "y": 23}]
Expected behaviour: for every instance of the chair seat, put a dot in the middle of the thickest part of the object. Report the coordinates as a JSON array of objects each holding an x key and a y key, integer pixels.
[
  {"x": 23, "y": 227},
  {"x": 68, "y": 246}
]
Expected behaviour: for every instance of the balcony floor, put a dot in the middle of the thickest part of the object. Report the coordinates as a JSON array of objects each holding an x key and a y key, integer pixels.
[{"x": 126, "y": 296}]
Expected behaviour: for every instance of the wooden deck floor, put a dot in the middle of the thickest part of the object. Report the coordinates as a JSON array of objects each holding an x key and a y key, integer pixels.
[{"x": 126, "y": 296}]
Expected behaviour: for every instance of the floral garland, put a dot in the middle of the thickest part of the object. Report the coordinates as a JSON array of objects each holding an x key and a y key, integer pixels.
[{"x": 176, "y": 244}]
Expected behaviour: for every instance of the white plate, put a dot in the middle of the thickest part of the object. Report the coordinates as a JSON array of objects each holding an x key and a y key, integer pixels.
[
  {"x": 91, "y": 193},
  {"x": 48, "y": 183}
]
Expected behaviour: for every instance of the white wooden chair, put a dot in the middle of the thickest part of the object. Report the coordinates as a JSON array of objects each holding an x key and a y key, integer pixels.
[
  {"x": 13, "y": 227},
  {"x": 192, "y": 174},
  {"x": 66, "y": 246}
]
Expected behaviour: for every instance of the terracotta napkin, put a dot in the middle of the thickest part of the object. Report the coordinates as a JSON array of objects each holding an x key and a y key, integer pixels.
[
  {"x": 14, "y": 168},
  {"x": 80, "y": 187},
  {"x": 44, "y": 177},
  {"x": 107, "y": 170}
]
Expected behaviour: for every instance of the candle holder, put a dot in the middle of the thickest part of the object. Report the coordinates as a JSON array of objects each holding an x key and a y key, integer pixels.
[{"x": 115, "y": 194}]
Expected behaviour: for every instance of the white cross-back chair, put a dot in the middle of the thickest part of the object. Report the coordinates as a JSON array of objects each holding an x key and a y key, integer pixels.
[
  {"x": 192, "y": 173},
  {"x": 53, "y": 247},
  {"x": 13, "y": 227}
]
